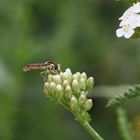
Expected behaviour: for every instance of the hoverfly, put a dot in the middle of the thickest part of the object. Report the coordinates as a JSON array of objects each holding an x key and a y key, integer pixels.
[{"x": 48, "y": 65}]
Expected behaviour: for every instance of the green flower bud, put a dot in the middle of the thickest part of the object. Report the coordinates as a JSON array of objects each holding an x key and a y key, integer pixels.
[
  {"x": 90, "y": 82},
  {"x": 59, "y": 92},
  {"x": 68, "y": 92},
  {"x": 75, "y": 86},
  {"x": 52, "y": 85},
  {"x": 50, "y": 78},
  {"x": 84, "y": 92},
  {"x": 88, "y": 105},
  {"x": 73, "y": 103},
  {"x": 75, "y": 76},
  {"x": 57, "y": 79},
  {"x": 78, "y": 75},
  {"x": 84, "y": 75},
  {"x": 82, "y": 84},
  {"x": 82, "y": 99},
  {"x": 61, "y": 74},
  {"x": 65, "y": 83},
  {"x": 65, "y": 76},
  {"x": 46, "y": 87},
  {"x": 52, "y": 88},
  {"x": 68, "y": 71}
]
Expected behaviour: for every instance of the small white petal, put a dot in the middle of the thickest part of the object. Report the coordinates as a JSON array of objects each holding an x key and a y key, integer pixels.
[
  {"x": 137, "y": 7},
  {"x": 123, "y": 22},
  {"x": 129, "y": 33},
  {"x": 119, "y": 32},
  {"x": 132, "y": 21},
  {"x": 127, "y": 13}
]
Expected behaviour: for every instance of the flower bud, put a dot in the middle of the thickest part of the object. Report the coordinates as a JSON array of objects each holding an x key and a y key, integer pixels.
[
  {"x": 46, "y": 87},
  {"x": 88, "y": 105},
  {"x": 65, "y": 76},
  {"x": 59, "y": 91},
  {"x": 49, "y": 78},
  {"x": 52, "y": 88},
  {"x": 52, "y": 85},
  {"x": 68, "y": 92},
  {"x": 75, "y": 86},
  {"x": 84, "y": 75},
  {"x": 75, "y": 76},
  {"x": 82, "y": 84},
  {"x": 61, "y": 74},
  {"x": 90, "y": 82},
  {"x": 68, "y": 71},
  {"x": 73, "y": 103},
  {"x": 82, "y": 99},
  {"x": 78, "y": 75},
  {"x": 57, "y": 79},
  {"x": 65, "y": 83},
  {"x": 84, "y": 92}
]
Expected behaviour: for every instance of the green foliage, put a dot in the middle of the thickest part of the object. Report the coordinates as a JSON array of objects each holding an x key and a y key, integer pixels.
[
  {"x": 132, "y": 93},
  {"x": 133, "y": 1}
]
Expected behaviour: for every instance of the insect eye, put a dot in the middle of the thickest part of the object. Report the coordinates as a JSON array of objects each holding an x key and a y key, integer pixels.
[{"x": 51, "y": 67}]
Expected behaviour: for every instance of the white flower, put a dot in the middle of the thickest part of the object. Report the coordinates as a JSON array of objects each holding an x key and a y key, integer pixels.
[
  {"x": 130, "y": 20},
  {"x": 127, "y": 13},
  {"x": 133, "y": 21},
  {"x": 125, "y": 31},
  {"x": 135, "y": 9}
]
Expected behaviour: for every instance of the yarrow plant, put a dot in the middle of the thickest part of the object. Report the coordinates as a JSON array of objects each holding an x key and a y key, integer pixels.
[
  {"x": 130, "y": 22},
  {"x": 70, "y": 90}
]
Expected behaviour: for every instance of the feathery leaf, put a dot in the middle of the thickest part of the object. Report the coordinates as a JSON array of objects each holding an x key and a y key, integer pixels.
[{"x": 132, "y": 92}]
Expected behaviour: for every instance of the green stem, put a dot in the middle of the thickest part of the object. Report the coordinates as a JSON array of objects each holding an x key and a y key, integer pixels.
[
  {"x": 91, "y": 131},
  {"x": 85, "y": 124},
  {"x": 123, "y": 124}
]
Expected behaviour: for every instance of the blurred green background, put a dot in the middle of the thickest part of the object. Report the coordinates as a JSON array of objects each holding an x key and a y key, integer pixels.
[{"x": 79, "y": 34}]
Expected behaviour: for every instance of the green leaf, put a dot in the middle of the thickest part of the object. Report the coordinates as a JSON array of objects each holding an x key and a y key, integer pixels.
[{"x": 132, "y": 93}]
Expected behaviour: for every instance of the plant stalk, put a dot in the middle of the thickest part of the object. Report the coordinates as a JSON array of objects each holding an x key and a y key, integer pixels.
[
  {"x": 123, "y": 125},
  {"x": 91, "y": 131}
]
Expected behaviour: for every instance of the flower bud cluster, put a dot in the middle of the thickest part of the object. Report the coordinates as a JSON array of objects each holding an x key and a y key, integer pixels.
[
  {"x": 130, "y": 21},
  {"x": 70, "y": 90}
]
